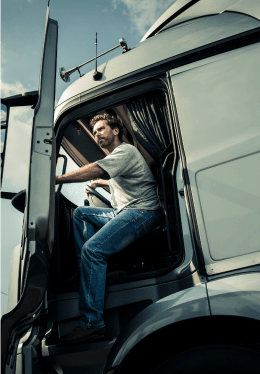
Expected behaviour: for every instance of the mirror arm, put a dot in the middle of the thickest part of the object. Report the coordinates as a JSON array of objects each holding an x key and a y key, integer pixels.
[
  {"x": 27, "y": 98},
  {"x": 7, "y": 195}
]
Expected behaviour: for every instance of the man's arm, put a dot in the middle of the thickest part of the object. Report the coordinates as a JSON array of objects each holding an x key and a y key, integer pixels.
[
  {"x": 83, "y": 174},
  {"x": 100, "y": 183}
]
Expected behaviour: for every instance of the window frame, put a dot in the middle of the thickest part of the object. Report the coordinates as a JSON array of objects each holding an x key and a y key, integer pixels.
[{"x": 121, "y": 96}]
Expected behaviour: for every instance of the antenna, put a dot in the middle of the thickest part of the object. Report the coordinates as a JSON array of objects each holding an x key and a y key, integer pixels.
[
  {"x": 64, "y": 74},
  {"x": 97, "y": 74}
]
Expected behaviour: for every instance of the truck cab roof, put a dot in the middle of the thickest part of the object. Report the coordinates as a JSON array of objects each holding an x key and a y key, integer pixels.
[{"x": 168, "y": 40}]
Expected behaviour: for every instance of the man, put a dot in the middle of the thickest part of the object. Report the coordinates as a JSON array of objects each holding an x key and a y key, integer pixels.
[{"x": 136, "y": 211}]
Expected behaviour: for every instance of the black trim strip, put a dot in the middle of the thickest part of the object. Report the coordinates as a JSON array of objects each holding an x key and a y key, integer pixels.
[
  {"x": 163, "y": 176},
  {"x": 174, "y": 174},
  {"x": 186, "y": 181}
]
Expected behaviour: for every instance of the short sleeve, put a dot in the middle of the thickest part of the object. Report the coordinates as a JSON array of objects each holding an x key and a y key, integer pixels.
[{"x": 118, "y": 162}]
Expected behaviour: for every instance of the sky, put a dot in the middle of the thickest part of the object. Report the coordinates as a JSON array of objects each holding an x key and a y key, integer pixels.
[{"x": 22, "y": 27}]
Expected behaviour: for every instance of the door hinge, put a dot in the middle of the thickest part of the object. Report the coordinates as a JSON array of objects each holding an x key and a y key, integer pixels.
[
  {"x": 43, "y": 145},
  {"x": 48, "y": 141}
]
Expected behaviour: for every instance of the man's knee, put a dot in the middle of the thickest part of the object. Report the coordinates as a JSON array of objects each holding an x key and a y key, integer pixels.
[
  {"x": 91, "y": 250},
  {"x": 78, "y": 212}
]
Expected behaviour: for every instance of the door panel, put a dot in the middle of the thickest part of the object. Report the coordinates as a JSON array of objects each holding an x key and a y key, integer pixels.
[
  {"x": 38, "y": 234},
  {"x": 218, "y": 109}
]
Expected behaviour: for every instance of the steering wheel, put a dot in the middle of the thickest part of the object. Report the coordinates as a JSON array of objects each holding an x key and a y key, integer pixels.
[{"x": 98, "y": 195}]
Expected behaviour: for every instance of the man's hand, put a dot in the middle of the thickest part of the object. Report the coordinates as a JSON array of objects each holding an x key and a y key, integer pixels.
[{"x": 93, "y": 185}]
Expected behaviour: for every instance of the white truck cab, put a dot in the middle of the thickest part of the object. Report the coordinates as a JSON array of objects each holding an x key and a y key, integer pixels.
[{"x": 189, "y": 297}]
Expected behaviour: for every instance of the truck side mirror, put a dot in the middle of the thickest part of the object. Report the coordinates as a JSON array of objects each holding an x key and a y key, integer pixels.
[{"x": 5, "y": 109}]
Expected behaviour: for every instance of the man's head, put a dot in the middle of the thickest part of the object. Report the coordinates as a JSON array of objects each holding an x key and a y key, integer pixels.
[
  {"x": 112, "y": 122},
  {"x": 107, "y": 130}
]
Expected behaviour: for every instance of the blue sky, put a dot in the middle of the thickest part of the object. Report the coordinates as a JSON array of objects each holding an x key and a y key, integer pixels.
[
  {"x": 22, "y": 30},
  {"x": 22, "y": 27}
]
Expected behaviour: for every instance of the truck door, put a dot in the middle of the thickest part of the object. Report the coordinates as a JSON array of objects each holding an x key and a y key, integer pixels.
[
  {"x": 38, "y": 226},
  {"x": 217, "y": 101}
]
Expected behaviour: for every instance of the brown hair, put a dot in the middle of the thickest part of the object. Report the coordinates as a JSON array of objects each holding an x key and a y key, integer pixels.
[{"x": 112, "y": 122}]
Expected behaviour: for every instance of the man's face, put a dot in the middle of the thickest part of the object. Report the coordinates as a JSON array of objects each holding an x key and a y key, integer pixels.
[{"x": 104, "y": 135}]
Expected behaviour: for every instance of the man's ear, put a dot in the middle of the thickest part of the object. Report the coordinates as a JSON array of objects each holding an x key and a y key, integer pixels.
[{"x": 116, "y": 129}]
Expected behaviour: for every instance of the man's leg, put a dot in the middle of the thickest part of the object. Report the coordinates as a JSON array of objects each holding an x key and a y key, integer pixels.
[
  {"x": 117, "y": 234},
  {"x": 128, "y": 226},
  {"x": 85, "y": 221}
]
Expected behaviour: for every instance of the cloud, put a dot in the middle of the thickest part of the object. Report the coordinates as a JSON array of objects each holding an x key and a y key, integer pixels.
[
  {"x": 17, "y": 114},
  {"x": 10, "y": 89},
  {"x": 145, "y": 12}
]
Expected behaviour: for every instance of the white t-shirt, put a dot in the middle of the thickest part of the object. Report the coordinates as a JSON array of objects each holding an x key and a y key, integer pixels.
[{"x": 131, "y": 182}]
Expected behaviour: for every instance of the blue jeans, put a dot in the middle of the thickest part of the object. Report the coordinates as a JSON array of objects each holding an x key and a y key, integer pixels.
[{"x": 93, "y": 248}]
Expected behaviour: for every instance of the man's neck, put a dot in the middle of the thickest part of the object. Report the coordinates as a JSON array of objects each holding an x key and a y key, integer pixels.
[{"x": 114, "y": 145}]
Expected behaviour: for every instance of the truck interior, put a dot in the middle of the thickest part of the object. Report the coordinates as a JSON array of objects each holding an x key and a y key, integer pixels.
[{"x": 148, "y": 126}]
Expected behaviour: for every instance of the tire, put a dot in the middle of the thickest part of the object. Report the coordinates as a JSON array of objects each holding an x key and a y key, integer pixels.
[{"x": 212, "y": 359}]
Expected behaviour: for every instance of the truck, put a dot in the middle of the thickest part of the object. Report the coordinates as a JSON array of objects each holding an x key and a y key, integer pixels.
[{"x": 187, "y": 297}]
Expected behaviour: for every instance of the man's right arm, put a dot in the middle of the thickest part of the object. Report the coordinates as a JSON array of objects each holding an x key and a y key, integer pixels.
[{"x": 83, "y": 174}]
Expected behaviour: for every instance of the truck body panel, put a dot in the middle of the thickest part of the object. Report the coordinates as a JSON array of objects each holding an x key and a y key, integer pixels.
[
  {"x": 168, "y": 45},
  {"x": 223, "y": 165},
  {"x": 186, "y": 304},
  {"x": 237, "y": 295},
  {"x": 206, "y": 64}
]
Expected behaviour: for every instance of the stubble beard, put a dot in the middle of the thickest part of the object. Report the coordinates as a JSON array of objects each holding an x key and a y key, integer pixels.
[{"x": 106, "y": 142}]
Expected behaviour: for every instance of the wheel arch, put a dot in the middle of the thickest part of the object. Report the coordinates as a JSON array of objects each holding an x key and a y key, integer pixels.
[{"x": 156, "y": 348}]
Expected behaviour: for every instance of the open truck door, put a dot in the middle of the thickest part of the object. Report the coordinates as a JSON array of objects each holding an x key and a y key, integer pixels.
[{"x": 30, "y": 281}]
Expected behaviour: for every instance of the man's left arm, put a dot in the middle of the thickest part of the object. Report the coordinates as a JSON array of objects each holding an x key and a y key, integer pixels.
[{"x": 83, "y": 174}]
